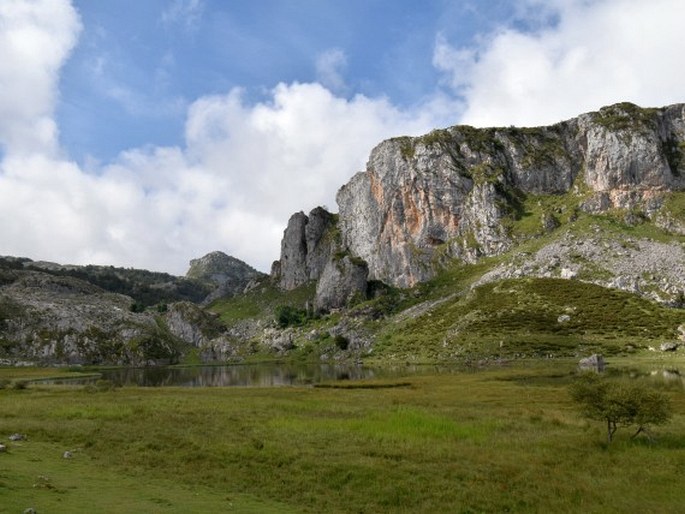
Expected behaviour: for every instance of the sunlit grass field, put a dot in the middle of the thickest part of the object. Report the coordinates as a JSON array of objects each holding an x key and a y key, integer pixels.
[{"x": 505, "y": 439}]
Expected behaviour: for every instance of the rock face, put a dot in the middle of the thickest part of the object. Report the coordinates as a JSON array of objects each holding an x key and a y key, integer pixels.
[
  {"x": 229, "y": 275},
  {"x": 449, "y": 193},
  {"x": 307, "y": 245},
  {"x": 343, "y": 279}
]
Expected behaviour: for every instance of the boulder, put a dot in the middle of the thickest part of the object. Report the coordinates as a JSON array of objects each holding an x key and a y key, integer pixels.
[
  {"x": 670, "y": 346},
  {"x": 593, "y": 362}
]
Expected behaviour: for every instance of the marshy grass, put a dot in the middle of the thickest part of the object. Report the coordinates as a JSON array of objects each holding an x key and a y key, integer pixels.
[{"x": 495, "y": 440}]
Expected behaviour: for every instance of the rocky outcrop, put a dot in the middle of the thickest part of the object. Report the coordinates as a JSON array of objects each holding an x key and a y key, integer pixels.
[
  {"x": 449, "y": 194},
  {"x": 228, "y": 275},
  {"x": 653, "y": 269},
  {"x": 343, "y": 280},
  {"x": 47, "y": 319},
  {"x": 307, "y": 245}
]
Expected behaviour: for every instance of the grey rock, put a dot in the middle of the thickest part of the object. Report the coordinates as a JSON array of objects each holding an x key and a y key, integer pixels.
[
  {"x": 3, "y": 448},
  {"x": 342, "y": 280},
  {"x": 17, "y": 437},
  {"x": 670, "y": 346},
  {"x": 279, "y": 340},
  {"x": 564, "y": 318},
  {"x": 568, "y": 273},
  {"x": 67, "y": 455},
  {"x": 229, "y": 276},
  {"x": 307, "y": 245},
  {"x": 549, "y": 222},
  {"x": 594, "y": 361},
  {"x": 293, "y": 267}
]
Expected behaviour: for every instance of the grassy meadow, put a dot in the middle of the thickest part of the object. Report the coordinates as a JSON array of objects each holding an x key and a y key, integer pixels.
[{"x": 502, "y": 439}]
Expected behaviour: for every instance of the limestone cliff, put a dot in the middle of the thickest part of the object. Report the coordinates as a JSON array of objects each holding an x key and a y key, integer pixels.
[
  {"x": 307, "y": 245},
  {"x": 452, "y": 193}
]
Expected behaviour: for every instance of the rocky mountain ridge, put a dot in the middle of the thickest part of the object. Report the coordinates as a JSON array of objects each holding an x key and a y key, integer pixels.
[
  {"x": 465, "y": 193},
  {"x": 65, "y": 314},
  {"x": 457, "y": 243},
  {"x": 454, "y": 193}
]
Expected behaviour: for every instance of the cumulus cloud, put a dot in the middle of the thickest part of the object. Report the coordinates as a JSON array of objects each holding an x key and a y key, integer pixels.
[
  {"x": 35, "y": 39},
  {"x": 243, "y": 170},
  {"x": 590, "y": 55},
  {"x": 244, "y": 166}
]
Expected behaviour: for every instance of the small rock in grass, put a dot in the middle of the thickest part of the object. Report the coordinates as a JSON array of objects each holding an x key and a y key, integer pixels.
[
  {"x": 669, "y": 346},
  {"x": 564, "y": 318},
  {"x": 17, "y": 437},
  {"x": 30, "y": 510},
  {"x": 67, "y": 455},
  {"x": 3, "y": 448}
]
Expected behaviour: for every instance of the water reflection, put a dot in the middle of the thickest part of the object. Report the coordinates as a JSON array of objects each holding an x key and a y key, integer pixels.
[{"x": 256, "y": 375}]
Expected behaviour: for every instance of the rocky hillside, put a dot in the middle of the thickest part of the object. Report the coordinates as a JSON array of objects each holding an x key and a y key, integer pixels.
[
  {"x": 225, "y": 275},
  {"x": 460, "y": 244},
  {"x": 57, "y": 314},
  {"x": 428, "y": 233}
]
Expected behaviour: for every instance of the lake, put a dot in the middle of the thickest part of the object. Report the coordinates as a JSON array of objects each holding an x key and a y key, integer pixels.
[
  {"x": 275, "y": 374},
  {"x": 270, "y": 374}
]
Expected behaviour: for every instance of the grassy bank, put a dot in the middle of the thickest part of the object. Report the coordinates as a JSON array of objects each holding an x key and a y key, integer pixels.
[{"x": 498, "y": 440}]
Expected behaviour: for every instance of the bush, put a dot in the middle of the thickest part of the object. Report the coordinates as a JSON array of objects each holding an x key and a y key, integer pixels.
[
  {"x": 287, "y": 316},
  {"x": 620, "y": 403},
  {"x": 20, "y": 384}
]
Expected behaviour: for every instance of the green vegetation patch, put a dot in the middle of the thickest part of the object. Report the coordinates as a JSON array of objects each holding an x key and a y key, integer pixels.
[
  {"x": 263, "y": 302},
  {"x": 522, "y": 318},
  {"x": 626, "y": 116},
  {"x": 464, "y": 442}
]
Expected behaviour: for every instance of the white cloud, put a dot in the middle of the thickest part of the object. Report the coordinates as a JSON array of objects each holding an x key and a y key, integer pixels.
[
  {"x": 597, "y": 53},
  {"x": 245, "y": 167},
  {"x": 329, "y": 67},
  {"x": 243, "y": 170},
  {"x": 35, "y": 39}
]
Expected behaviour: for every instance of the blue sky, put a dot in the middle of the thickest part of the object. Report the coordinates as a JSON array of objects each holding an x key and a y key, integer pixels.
[
  {"x": 148, "y": 133},
  {"x": 138, "y": 64}
]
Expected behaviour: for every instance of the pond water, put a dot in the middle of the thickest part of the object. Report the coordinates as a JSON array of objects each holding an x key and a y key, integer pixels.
[
  {"x": 252, "y": 375},
  {"x": 276, "y": 374}
]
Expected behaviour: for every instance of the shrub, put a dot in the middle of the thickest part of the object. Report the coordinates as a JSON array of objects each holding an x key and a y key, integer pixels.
[
  {"x": 619, "y": 403},
  {"x": 287, "y": 316},
  {"x": 20, "y": 384}
]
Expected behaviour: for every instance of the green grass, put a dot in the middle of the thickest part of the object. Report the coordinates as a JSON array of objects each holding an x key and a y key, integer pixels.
[
  {"x": 500, "y": 440},
  {"x": 262, "y": 302},
  {"x": 519, "y": 318}
]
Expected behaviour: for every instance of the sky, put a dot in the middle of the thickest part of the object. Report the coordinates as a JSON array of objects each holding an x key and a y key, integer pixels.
[{"x": 146, "y": 134}]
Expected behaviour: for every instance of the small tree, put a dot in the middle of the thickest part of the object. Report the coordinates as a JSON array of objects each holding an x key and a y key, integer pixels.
[{"x": 619, "y": 403}]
